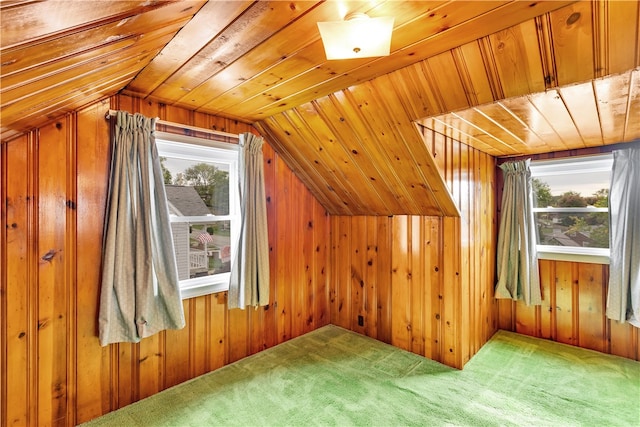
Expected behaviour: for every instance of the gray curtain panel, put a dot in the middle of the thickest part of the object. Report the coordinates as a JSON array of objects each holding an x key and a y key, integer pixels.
[
  {"x": 623, "y": 295},
  {"x": 517, "y": 262},
  {"x": 249, "y": 284},
  {"x": 140, "y": 294}
]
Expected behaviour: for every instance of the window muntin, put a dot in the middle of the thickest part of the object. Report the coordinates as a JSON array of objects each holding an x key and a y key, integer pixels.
[
  {"x": 571, "y": 207},
  {"x": 204, "y": 209}
]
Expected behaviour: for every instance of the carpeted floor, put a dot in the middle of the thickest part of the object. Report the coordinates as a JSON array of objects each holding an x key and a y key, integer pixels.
[{"x": 335, "y": 377}]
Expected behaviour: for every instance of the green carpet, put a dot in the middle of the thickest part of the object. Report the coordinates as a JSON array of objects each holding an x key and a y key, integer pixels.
[{"x": 335, "y": 377}]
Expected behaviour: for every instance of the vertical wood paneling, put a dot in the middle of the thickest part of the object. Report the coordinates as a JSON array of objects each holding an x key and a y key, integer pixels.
[
  {"x": 54, "y": 185},
  {"x": 573, "y": 39},
  {"x": 518, "y": 59},
  {"x": 574, "y": 299},
  {"x": 177, "y": 350},
  {"x": 16, "y": 334},
  {"x": 370, "y": 279},
  {"x": 284, "y": 204},
  {"x": 356, "y": 287},
  {"x": 218, "y": 321},
  {"x": 573, "y": 310},
  {"x": 400, "y": 282},
  {"x": 383, "y": 278},
  {"x": 416, "y": 278},
  {"x": 451, "y": 294},
  {"x": 320, "y": 297},
  {"x": 432, "y": 285},
  {"x": 270, "y": 320},
  {"x": 621, "y": 15},
  {"x": 53, "y": 294},
  {"x": 547, "y": 285},
  {"x": 468, "y": 293},
  {"x": 198, "y": 344},
  {"x": 434, "y": 305},
  {"x": 591, "y": 301}
]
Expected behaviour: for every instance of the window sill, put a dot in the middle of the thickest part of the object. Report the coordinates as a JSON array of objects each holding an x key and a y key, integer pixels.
[
  {"x": 198, "y": 291},
  {"x": 574, "y": 254},
  {"x": 204, "y": 285}
]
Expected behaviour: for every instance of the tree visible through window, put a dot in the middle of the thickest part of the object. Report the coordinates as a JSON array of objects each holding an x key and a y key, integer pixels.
[
  {"x": 571, "y": 202},
  {"x": 203, "y": 207}
]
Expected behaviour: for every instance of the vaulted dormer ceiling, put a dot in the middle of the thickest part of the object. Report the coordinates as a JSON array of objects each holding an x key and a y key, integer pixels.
[{"x": 507, "y": 77}]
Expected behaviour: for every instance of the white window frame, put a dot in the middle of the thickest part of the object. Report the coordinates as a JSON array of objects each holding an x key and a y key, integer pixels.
[
  {"x": 198, "y": 149},
  {"x": 569, "y": 166}
]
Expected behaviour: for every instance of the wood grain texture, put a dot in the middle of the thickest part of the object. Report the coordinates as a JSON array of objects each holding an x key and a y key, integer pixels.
[
  {"x": 573, "y": 296},
  {"x": 54, "y": 371},
  {"x": 250, "y": 60},
  {"x": 360, "y": 154},
  {"x": 572, "y": 311},
  {"x": 345, "y": 128},
  {"x": 431, "y": 277},
  {"x": 584, "y": 56}
]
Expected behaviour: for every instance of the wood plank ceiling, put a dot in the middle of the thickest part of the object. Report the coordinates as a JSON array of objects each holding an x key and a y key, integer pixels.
[{"x": 506, "y": 77}]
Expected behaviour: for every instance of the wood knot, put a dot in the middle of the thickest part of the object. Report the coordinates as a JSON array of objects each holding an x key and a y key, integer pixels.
[{"x": 49, "y": 255}]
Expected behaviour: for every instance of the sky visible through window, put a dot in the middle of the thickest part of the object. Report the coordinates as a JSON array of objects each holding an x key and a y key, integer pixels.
[
  {"x": 578, "y": 182},
  {"x": 176, "y": 166},
  {"x": 571, "y": 199}
]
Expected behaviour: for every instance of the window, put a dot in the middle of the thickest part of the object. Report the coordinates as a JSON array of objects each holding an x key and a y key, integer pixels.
[
  {"x": 571, "y": 207},
  {"x": 200, "y": 179}
]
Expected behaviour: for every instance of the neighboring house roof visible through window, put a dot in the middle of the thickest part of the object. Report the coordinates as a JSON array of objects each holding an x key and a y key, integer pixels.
[{"x": 185, "y": 201}]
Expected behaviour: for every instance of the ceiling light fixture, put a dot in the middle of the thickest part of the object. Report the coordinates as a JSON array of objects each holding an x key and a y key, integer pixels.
[{"x": 358, "y": 36}]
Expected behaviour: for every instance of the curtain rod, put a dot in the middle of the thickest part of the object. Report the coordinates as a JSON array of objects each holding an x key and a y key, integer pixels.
[{"x": 181, "y": 126}]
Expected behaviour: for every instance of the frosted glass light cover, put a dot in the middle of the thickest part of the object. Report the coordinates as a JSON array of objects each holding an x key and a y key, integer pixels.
[{"x": 357, "y": 38}]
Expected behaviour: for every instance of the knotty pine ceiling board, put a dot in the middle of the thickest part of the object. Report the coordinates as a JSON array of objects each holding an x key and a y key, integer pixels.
[
  {"x": 512, "y": 62},
  {"x": 343, "y": 164},
  {"x": 453, "y": 127},
  {"x": 398, "y": 182},
  {"x": 612, "y": 95},
  {"x": 316, "y": 175},
  {"x": 486, "y": 130},
  {"x": 553, "y": 110},
  {"x": 288, "y": 93},
  {"x": 263, "y": 19},
  {"x": 581, "y": 104},
  {"x": 57, "y": 56},
  {"x": 476, "y": 73},
  {"x": 335, "y": 75},
  {"x": 409, "y": 158},
  {"x": 616, "y": 41},
  {"x": 44, "y": 92},
  {"x": 289, "y": 52},
  {"x": 573, "y": 38},
  {"x": 444, "y": 76},
  {"x": 298, "y": 72},
  {"x": 632, "y": 127},
  {"x": 343, "y": 117},
  {"x": 211, "y": 19},
  {"x": 33, "y": 81},
  {"x": 505, "y": 126},
  {"x": 518, "y": 61},
  {"x": 598, "y": 112},
  {"x": 36, "y": 21}
]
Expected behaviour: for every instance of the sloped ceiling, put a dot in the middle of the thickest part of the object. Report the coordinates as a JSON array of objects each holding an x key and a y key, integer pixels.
[{"x": 566, "y": 72}]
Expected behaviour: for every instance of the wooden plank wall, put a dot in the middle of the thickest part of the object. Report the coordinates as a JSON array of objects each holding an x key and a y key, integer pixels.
[
  {"x": 572, "y": 310},
  {"x": 53, "y": 370},
  {"x": 423, "y": 283},
  {"x": 574, "y": 297}
]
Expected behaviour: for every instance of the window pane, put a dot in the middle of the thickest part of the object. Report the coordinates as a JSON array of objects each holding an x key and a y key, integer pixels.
[
  {"x": 572, "y": 183},
  {"x": 566, "y": 194},
  {"x": 581, "y": 229},
  {"x": 202, "y": 249},
  {"x": 190, "y": 180},
  {"x": 204, "y": 209}
]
